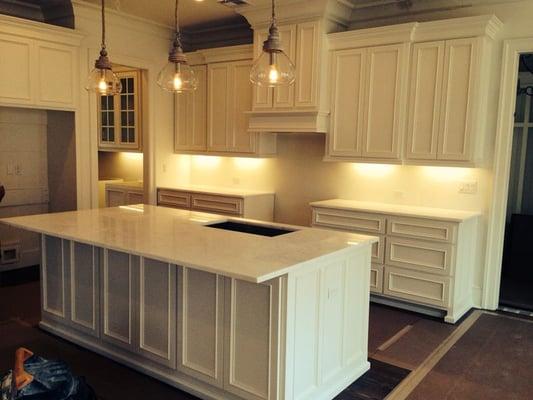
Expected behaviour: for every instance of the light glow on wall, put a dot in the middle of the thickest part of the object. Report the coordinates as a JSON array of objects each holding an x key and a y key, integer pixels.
[
  {"x": 446, "y": 174},
  {"x": 131, "y": 156},
  {"x": 374, "y": 170},
  {"x": 206, "y": 161},
  {"x": 248, "y": 163}
]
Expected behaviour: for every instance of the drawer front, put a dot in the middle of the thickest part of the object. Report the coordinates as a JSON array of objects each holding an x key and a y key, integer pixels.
[
  {"x": 378, "y": 250},
  {"x": 420, "y": 228},
  {"x": 433, "y": 257},
  {"x": 349, "y": 220},
  {"x": 134, "y": 197},
  {"x": 217, "y": 204},
  {"x": 174, "y": 198},
  {"x": 416, "y": 286},
  {"x": 376, "y": 278}
]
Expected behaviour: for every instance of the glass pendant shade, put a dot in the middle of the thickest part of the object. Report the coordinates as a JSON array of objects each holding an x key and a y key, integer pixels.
[
  {"x": 177, "y": 77},
  {"x": 104, "y": 82},
  {"x": 272, "y": 69}
]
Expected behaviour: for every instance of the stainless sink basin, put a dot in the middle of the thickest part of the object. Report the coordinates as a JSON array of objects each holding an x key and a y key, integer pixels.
[{"x": 254, "y": 229}]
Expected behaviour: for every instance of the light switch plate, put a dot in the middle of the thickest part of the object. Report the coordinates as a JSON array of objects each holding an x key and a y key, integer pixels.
[{"x": 468, "y": 187}]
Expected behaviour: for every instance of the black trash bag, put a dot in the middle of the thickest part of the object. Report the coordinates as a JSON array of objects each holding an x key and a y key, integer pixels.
[{"x": 52, "y": 380}]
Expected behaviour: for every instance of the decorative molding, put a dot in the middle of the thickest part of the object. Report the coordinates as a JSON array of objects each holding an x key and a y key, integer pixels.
[
  {"x": 483, "y": 25},
  {"x": 37, "y": 30},
  {"x": 221, "y": 54},
  {"x": 372, "y": 36},
  {"x": 288, "y": 121}
]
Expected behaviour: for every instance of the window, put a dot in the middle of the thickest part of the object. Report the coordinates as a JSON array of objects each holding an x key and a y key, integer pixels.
[{"x": 119, "y": 123}]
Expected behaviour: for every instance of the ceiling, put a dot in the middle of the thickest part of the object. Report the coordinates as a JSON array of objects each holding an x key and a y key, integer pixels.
[{"x": 192, "y": 12}]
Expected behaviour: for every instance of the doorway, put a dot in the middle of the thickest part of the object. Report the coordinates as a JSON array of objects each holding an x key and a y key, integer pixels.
[{"x": 516, "y": 288}]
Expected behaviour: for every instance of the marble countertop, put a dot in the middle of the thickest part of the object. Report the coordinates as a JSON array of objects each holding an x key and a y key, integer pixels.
[
  {"x": 224, "y": 191},
  {"x": 397, "y": 209},
  {"x": 180, "y": 237},
  {"x": 126, "y": 184}
]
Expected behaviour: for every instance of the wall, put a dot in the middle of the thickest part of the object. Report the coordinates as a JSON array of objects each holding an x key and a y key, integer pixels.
[
  {"x": 23, "y": 172},
  {"x": 61, "y": 155},
  {"x": 140, "y": 44},
  {"x": 125, "y": 165}
]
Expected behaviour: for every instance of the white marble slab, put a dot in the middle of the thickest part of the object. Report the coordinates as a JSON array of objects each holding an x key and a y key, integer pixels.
[
  {"x": 223, "y": 191},
  {"x": 180, "y": 237},
  {"x": 397, "y": 209}
]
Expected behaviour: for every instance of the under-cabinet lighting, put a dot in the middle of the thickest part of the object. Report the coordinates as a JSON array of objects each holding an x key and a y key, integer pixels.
[
  {"x": 446, "y": 173},
  {"x": 206, "y": 161},
  {"x": 132, "y": 156},
  {"x": 375, "y": 170},
  {"x": 133, "y": 208},
  {"x": 248, "y": 163}
]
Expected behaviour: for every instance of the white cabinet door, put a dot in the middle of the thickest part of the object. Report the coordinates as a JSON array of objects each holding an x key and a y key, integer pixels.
[
  {"x": 201, "y": 325},
  {"x": 17, "y": 78},
  {"x": 84, "y": 288},
  {"x": 119, "y": 280},
  {"x": 262, "y": 96},
  {"x": 56, "y": 257},
  {"x": 425, "y": 100},
  {"x": 230, "y": 96},
  {"x": 57, "y": 77},
  {"x": 383, "y": 106},
  {"x": 218, "y": 103},
  {"x": 458, "y": 97},
  {"x": 284, "y": 96},
  {"x": 347, "y": 99},
  {"x": 307, "y": 64},
  {"x": 191, "y": 110},
  {"x": 157, "y": 312},
  {"x": 251, "y": 342}
]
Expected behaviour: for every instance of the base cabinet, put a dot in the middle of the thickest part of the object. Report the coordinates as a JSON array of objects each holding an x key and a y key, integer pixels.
[
  {"x": 418, "y": 259},
  {"x": 299, "y": 336}
]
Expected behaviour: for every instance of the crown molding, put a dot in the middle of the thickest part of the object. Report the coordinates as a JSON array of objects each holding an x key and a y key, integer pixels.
[
  {"x": 372, "y": 36},
  {"x": 258, "y": 13},
  {"x": 39, "y": 30},
  {"x": 482, "y": 25},
  {"x": 220, "y": 54}
]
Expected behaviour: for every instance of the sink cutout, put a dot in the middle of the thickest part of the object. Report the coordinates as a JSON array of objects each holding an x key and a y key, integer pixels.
[{"x": 253, "y": 229}]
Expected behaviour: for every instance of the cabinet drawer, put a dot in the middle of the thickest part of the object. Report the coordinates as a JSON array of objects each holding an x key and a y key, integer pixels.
[
  {"x": 217, "y": 204},
  {"x": 376, "y": 278},
  {"x": 174, "y": 198},
  {"x": 420, "y": 255},
  {"x": 416, "y": 286},
  {"x": 422, "y": 229},
  {"x": 134, "y": 197},
  {"x": 349, "y": 220}
]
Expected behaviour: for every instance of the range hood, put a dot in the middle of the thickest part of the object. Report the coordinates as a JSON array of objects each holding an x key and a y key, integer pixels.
[{"x": 292, "y": 121}]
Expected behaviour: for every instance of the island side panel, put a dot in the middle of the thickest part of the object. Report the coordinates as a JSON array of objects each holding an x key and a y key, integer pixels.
[{"x": 327, "y": 324}]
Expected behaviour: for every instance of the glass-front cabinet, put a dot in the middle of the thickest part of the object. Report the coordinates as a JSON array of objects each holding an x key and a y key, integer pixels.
[{"x": 119, "y": 116}]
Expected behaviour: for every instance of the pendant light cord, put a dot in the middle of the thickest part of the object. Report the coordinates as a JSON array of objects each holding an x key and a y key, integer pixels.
[
  {"x": 103, "y": 24},
  {"x": 176, "y": 24},
  {"x": 274, "y": 11}
]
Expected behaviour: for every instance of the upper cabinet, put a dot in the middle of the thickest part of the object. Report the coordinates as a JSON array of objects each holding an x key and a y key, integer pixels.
[
  {"x": 302, "y": 106},
  {"x": 443, "y": 101},
  {"x": 119, "y": 116},
  {"x": 39, "y": 65},
  {"x": 214, "y": 118},
  {"x": 411, "y": 93},
  {"x": 367, "y": 103}
]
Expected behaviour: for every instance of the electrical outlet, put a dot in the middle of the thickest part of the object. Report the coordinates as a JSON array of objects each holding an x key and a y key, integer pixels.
[
  {"x": 236, "y": 181},
  {"x": 164, "y": 167},
  {"x": 18, "y": 170},
  {"x": 468, "y": 187},
  {"x": 10, "y": 170}
]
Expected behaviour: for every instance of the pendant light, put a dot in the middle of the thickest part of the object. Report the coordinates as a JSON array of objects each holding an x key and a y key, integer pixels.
[
  {"x": 102, "y": 79},
  {"x": 177, "y": 76},
  {"x": 273, "y": 68}
]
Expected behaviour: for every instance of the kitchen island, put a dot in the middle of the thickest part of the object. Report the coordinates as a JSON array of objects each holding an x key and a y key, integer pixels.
[{"x": 223, "y": 308}]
